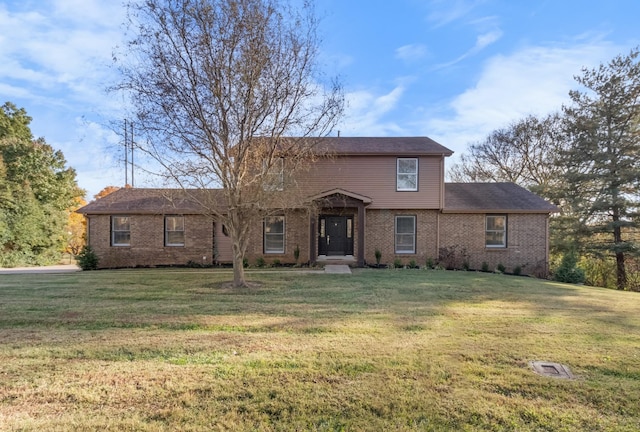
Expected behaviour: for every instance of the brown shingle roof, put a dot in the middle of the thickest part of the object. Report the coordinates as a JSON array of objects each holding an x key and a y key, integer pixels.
[
  {"x": 154, "y": 201},
  {"x": 493, "y": 198},
  {"x": 399, "y": 146}
]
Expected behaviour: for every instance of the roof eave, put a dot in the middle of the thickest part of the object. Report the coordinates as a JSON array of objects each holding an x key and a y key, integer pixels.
[{"x": 510, "y": 211}]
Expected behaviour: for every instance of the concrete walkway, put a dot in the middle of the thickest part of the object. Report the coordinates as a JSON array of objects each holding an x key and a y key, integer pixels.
[
  {"x": 63, "y": 268},
  {"x": 337, "y": 269}
]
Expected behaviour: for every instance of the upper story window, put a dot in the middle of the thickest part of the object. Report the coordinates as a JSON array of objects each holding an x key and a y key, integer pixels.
[
  {"x": 274, "y": 234},
  {"x": 496, "y": 231},
  {"x": 174, "y": 230},
  {"x": 120, "y": 231},
  {"x": 405, "y": 234},
  {"x": 407, "y": 174},
  {"x": 274, "y": 175}
]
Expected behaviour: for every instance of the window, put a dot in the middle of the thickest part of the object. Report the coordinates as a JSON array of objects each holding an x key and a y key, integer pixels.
[
  {"x": 405, "y": 234},
  {"x": 174, "y": 230},
  {"x": 496, "y": 231},
  {"x": 407, "y": 174},
  {"x": 120, "y": 231},
  {"x": 274, "y": 175},
  {"x": 274, "y": 234}
]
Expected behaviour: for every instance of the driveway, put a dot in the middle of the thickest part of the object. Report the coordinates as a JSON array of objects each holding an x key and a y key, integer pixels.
[{"x": 64, "y": 268}]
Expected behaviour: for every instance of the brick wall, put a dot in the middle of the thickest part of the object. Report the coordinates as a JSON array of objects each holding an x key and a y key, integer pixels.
[
  {"x": 527, "y": 241},
  {"x": 380, "y": 234},
  {"x": 147, "y": 242},
  {"x": 296, "y": 226}
]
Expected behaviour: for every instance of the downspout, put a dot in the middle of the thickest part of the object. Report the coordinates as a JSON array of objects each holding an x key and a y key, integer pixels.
[
  {"x": 88, "y": 229},
  {"x": 441, "y": 205},
  {"x": 546, "y": 242},
  {"x": 437, "y": 234}
]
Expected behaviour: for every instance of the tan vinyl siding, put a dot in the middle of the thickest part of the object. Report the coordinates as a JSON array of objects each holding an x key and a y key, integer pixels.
[
  {"x": 375, "y": 177},
  {"x": 223, "y": 246}
]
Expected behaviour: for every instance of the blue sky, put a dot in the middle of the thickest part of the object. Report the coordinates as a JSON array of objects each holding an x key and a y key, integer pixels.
[{"x": 453, "y": 70}]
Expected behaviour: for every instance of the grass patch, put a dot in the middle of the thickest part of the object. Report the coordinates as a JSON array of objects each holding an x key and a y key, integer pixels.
[{"x": 403, "y": 350}]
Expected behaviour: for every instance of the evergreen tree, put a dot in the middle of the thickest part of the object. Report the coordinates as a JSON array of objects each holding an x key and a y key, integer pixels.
[{"x": 603, "y": 162}]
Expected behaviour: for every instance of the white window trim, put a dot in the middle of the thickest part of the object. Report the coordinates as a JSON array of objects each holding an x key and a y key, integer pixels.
[
  {"x": 166, "y": 232},
  {"x": 486, "y": 230},
  {"x": 274, "y": 175},
  {"x": 395, "y": 237},
  {"x": 398, "y": 173},
  {"x": 264, "y": 235},
  {"x": 113, "y": 231}
]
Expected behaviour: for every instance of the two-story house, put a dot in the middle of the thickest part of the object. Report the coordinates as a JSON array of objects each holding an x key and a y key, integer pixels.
[{"x": 372, "y": 194}]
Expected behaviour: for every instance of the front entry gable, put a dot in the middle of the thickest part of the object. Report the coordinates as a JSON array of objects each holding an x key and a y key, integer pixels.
[
  {"x": 339, "y": 221},
  {"x": 340, "y": 198}
]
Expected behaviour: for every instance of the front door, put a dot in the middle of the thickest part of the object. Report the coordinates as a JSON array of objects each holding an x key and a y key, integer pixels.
[{"x": 336, "y": 235}]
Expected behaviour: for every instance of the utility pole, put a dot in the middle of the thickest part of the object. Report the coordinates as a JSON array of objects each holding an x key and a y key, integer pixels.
[
  {"x": 126, "y": 155},
  {"x": 128, "y": 131}
]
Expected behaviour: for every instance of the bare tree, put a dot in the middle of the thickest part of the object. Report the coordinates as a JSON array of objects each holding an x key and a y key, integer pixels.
[
  {"x": 525, "y": 153},
  {"x": 216, "y": 86}
]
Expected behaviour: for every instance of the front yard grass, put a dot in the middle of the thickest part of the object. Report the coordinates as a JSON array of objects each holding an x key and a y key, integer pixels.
[{"x": 377, "y": 350}]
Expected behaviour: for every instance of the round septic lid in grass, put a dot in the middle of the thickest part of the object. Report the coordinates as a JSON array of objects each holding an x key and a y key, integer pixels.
[{"x": 550, "y": 369}]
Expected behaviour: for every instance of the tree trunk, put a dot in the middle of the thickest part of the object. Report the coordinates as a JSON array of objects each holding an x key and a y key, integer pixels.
[
  {"x": 239, "y": 280},
  {"x": 621, "y": 271}
]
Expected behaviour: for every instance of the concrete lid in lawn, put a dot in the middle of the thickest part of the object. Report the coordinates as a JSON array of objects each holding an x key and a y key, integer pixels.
[{"x": 552, "y": 370}]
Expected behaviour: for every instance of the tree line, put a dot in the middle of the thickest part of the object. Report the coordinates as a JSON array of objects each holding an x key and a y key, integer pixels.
[
  {"x": 585, "y": 158},
  {"x": 38, "y": 194}
]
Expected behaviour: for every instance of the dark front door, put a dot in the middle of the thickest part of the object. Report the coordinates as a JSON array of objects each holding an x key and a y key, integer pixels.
[{"x": 335, "y": 236}]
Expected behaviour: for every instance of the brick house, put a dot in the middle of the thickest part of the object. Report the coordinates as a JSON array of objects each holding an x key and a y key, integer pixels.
[{"x": 373, "y": 194}]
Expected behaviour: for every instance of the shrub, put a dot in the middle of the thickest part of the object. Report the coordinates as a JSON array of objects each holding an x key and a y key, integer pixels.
[
  {"x": 430, "y": 263},
  {"x": 397, "y": 263},
  {"x": 260, "y": 262},
  {"x": 276, "y": 262},
  {"x": 378, "y": 256},
  {"x": 245, "y": 262},
  {"x": 87, "y": 259},
  {"x": 501, "y": 268},
  {"x": 413, "y": 264},
  {"x": 485, "y": 267},
  {"x": 296, "y": 253},
  {"x": 453, "y": 257},
  {"x": 568, "y": 271},
  {"x": 517, "y": 270}
]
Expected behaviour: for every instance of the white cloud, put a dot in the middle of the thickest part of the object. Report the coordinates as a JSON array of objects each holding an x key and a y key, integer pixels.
[
  {"x": 533, "y": 80},
  {"x": 411, "y": 52},
  {"x": 446, "y": 11},
  {"x": 482, "y": 41},
  {"x": 486, "y": 39},
  {"x": 366, "y": 111},
  {"x": 60, "y": 46}
]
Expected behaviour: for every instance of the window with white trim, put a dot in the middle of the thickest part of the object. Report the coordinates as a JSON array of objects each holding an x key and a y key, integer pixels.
[
  {"x": 174, "y": 230},
  {"x": 120, "y": 231},
  {"x": 496, "y": 231},
  {"x": 405, "y": 235},
  {"x": 274, "y": 234},
  {"x": 407, "y": 174},
  {"x": 274, "y": 175}
]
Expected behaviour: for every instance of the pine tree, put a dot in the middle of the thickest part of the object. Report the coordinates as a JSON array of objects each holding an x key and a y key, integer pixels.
[{"x": 603, "y": 163}]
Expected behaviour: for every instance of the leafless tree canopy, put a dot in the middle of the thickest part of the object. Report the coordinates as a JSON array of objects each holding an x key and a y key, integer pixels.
[
  {"x": 525, "y": 153},
  {"x": 206, "y": 78}
]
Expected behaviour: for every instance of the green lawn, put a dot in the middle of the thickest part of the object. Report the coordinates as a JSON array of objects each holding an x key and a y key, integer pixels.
[{"x": 378, "y": 350}]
